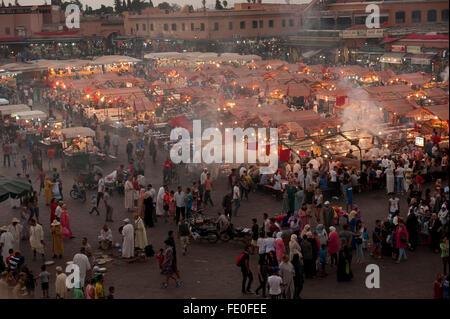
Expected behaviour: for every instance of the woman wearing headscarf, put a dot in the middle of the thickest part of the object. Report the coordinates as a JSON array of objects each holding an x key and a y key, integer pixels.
[
  {"x": 291, "y": 190},
  {"x": 48, "y": 190},
  {"x": 294, "y": 247},
  {"x": 24, "y": 221},
  {"x": 305, "y": 215},
  {"x": 160, "y": 202},
  {"x": 314, "y": 251},
  {"x": 322, "y": 235},
  {"x": 57, "y": 239},
  {"x": 280, "y": 249},
  {"x": 148, "y": 208},
  {"x": 344, "y": 271},
  {"x": 298, "y": 277},
  {"x": 65, "y": 222},
  {"x": 305, "y": 230},
  {"x": 141, "y": 208},
  {"x": 129, "y": 194},
  {"x": 298, "y": 199},
  {"x": 333, "y": 245}
]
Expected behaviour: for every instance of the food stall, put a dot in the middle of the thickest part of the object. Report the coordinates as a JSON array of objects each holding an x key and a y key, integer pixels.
[{"x": 30, "y": 122}]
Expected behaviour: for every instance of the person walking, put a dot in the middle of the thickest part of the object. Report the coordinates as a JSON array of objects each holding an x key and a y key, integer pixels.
[
  {"x": 236, "y": 198},
  {"x": 6, "y": 154},
  {"x": 262, "y": 275},
  {"x": 287, "y": 273},
  {"x": 57, "y": 239},
  {"x": 183, "y": 234},
  {"x": 60, "y": 283},
  {"x": 401, "y": 241},
  {"x": 180, "y": 201},
  {"x": 36, "y": 239},
  {"x": 247, "y": 274}
]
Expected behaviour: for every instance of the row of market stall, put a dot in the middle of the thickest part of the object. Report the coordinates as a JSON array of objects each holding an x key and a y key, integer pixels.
[{"x": 317, "y": 109}]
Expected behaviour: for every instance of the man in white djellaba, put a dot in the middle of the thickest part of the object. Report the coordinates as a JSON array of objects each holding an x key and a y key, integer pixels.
[
  {"x": 82, "y": 261},
  {"x": 6, "y": 241},
  {"x": 128, "y": 240}
]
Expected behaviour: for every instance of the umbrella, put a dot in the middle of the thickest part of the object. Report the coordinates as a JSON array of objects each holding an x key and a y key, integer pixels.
[{"x": 13, "y": 186}]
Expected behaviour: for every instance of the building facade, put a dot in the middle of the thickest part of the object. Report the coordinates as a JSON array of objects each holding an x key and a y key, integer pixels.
[{"x": 244, "y": 21}]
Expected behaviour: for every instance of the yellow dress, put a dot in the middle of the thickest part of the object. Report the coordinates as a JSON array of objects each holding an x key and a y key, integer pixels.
[
  {"x": 48, "y": 190},
  {"x": 58, "y": 244}
]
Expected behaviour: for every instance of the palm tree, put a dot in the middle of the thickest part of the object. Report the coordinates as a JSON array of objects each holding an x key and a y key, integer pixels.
[{"x": 204, "y": 5}]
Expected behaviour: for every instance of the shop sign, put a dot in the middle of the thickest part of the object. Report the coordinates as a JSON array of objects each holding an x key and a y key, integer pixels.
[
  {"x": 413, "y": 49},
  {"x": 398, "y": 48}
]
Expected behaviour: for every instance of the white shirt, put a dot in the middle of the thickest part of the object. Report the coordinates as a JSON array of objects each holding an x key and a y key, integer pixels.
[
  {"x": 400, "y": 171},
  {"x": 58, "y": 211},
  {"x": 296, "y": 168},
  {"x": 270, "y": 244},
  {"x": 203, "y": 177},
  {"x": 261, "y": 243},
  {"x": 275, "y": 285},
  {"x": 115, "y": 139},
  {"x": 315, "y": 163},
  {"x": 394, "y": 204},
  {"x": 333, "y": 176},
  {"x": 101, "y": 185},
  {"x": 236, "y": 192},
  {"x": 179, "y": 199},
  {"x": 241, "y": 171}
]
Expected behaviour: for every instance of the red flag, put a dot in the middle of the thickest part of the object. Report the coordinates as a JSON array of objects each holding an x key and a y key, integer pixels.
[
  {"x": 95, "y": 99},
  {"x": 385, "y": 23},
  {"x": 119, "y": 100}
]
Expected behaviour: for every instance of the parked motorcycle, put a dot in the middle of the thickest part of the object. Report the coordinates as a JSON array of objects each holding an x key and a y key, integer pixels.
[
  {"x": 238, "y": 233},
  {"x": 78, "y": 192},
  {"x": 204, "y": 232}
]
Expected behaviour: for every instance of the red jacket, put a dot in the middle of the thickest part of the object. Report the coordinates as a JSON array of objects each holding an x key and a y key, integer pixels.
[{"x": 398, "y": 242}]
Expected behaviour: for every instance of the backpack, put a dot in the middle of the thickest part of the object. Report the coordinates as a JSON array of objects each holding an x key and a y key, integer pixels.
[
  {"x": 239, "y": 260},
  {"x": 403, "y": 238}
]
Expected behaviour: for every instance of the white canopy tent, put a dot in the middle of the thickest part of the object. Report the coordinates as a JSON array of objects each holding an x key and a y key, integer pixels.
[
  {"x": 13, "y": 108},
  {"x": 30, "y": 115},
  {"x": 79, "y": 131}
]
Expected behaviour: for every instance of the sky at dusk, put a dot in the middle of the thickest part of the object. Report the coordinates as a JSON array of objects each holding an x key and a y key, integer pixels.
[{"x": 196, "y": 3}]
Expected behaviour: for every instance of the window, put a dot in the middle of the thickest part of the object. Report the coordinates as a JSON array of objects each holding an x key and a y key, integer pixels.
[
  {"x": 270, "y": 23},
  {"x": 242, "y": 25},
  {"x": 432, "y": 16},
  {"x": 151, "y": 26},
  {"x": 192, "y": 27},
  {"x": 261, "y": 24},
  {"x": 400, "y": 17},
  {"x": 183, "y": 27},
  {"x": 137, "y": 27},
  {"x": 291, "y": 22},
  {"x": 254, "y": 24},
  {"x": 144, "y": 26},
  {"x": 416, "y": 16},
  {"x": 444, "y": 15},
  {"x": 360, "y": 20},
  {"x": 131, "y": 30},
  {"x": 8, "y": 31},
  {"x": 216, "y": 26},
  {"x": 174, "y": 27},
  {"x": 384, "y": 19},
  {"x": 166, "y": 27},
  {"x": 202, "y": 27},
  {"x": 230, "y": 25},
  {"x": 283, "y": 23}
]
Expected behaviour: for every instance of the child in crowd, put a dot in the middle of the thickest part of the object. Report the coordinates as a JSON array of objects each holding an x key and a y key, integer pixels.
[
  {"x": 160, "y": 257},
  {"x": 111, "y": 291},
  {"x": 365, "y": 236},
  {"x": 44, "y": 276},
  {"x": 323, "y": 259}
]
